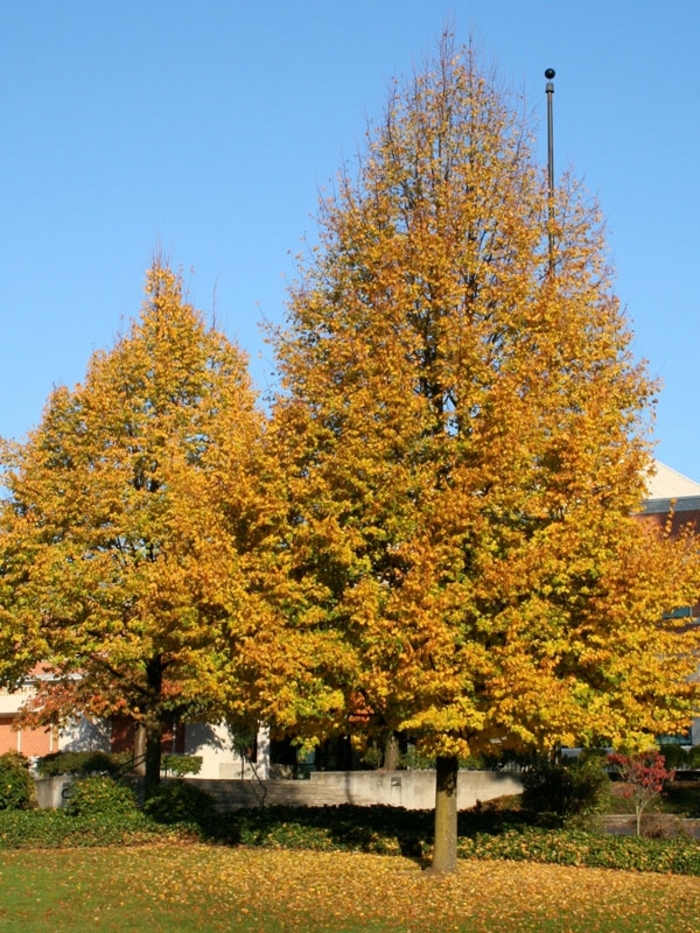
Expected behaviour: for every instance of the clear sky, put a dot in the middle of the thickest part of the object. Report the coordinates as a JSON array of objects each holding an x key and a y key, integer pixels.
[{"x": 206, "y": 129}]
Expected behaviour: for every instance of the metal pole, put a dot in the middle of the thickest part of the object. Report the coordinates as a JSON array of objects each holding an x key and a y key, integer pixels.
[{"x": 549, "y": 89}]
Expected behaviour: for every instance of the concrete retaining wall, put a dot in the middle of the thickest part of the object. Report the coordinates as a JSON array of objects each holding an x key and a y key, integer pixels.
[
  {"x": 49, "y": 791},
  {"x": 414, "y": 790}
]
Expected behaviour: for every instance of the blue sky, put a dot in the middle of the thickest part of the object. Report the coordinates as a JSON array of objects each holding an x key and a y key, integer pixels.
[{"x": 206, "y": 130}]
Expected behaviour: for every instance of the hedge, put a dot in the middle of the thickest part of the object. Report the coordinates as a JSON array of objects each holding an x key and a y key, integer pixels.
[
  {"x": 82, "y": 763},
  {"x": 56, "y": 829},
  {"x": 381, "y": 830},
  {"x": 592, "y": 850}
]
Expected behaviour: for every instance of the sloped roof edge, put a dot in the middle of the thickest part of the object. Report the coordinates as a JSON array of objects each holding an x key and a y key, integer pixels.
[{"x": 670, "y": 484}]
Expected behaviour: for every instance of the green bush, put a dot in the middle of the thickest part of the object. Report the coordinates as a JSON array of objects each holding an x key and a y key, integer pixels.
[
  {"x": 180, "y": 802},
  {"x": 16, "y": 784},
  {"x": 100, "y": 796},
  {"x": 82, "y": 763},
  {"x": 110, "y": 763},
  {"x": 494, "y": 762},
  {"x": 569, "y": 791},
  {"x": 415, "y": 760},
  {"x": 679, "y": 756},
  {"x": 180, "y": 765},
  {"x": 56, "y": 829},
  {"x": 675, "y": 756},
  {"x": 592, "y": 850}
]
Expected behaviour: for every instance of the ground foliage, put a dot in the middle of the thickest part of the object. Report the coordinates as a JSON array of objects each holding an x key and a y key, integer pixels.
[
  {"x": 484, "y": 833},
  {"x": 679, "y": 757},
  {"x": 681, "y": 797},
  {"x": 57, "y": 829},
  {"x": 197, "y": 888}
]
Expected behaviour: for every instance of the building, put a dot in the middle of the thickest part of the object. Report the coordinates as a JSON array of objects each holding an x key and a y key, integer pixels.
[
  {"x": 214, "y": 744},
  {"x": 669, "y": 491},
  {"x": 672, "y": 494}
]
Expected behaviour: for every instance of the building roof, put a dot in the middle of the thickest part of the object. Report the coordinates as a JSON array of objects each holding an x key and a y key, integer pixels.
[
  {"x": 669, "y": 484},
  {"x": 668, "y": 489}
]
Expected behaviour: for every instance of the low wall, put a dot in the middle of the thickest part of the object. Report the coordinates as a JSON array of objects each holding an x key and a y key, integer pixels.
[
  {"x": 49, "y": 791},
  {"x": 414, "y": 790}
]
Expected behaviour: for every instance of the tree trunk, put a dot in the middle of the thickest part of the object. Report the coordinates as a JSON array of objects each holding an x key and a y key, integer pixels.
[
  {"x": 445, "y": 850},
  {"x": 139, "y": 749},
  {"x": 391, "y": 752},
  {"x": 153, "y": 722},
  {"x": 153, "y": 752}
]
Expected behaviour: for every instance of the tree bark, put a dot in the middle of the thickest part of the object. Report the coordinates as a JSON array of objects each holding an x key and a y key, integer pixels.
[
  {"x": 153, "y": 723},
  {"x": 139, "y": 749},
  {"x": 391, "y": 752},
  {"x": 445, "y": 849}
]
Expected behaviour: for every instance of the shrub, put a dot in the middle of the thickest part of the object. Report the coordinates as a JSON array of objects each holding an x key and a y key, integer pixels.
[
  {"x": 16, "y": 784},
  {"x": 570, "y": 791},
  {"x": 101, "y": 796},
  {"x": 179, "y": 765},
  {"x": 110, "y": 763},
  {"x": 56, "y": 829},
  {"x": 415, "y": 760},
  {"x": 644, "y": 775},
  {"x": 503, "y": 760},
  {"x": 180, "y": 802},
  {"x": 81, "y": 763},
  {"x": 575, "y": 847},
  {"x": 676, "y": 756}
]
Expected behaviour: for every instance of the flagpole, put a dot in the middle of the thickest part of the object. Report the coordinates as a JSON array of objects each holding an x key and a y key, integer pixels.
[{"x": 549, "y": 90}]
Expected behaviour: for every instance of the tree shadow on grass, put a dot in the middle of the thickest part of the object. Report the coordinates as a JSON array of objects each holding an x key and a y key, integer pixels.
[{"x": 377, "y": 829}]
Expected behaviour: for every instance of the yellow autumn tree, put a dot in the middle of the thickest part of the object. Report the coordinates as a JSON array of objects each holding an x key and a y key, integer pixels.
[
  {"x": 124, "y": 530},
  {"x": 465, "y": 436}
]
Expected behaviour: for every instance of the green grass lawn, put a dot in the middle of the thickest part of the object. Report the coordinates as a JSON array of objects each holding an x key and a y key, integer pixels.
[{"x": 192, "y": 887}]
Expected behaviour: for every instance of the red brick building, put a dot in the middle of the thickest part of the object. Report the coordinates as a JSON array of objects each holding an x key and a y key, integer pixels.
[{"x": 29, "y": 742}]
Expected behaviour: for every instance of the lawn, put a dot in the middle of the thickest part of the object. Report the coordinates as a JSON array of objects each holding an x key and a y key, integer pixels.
[{"x": 192, "y": 887}]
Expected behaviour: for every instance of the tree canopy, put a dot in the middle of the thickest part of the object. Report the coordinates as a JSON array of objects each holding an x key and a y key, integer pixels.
[
  {"x": 466, "y": 439},
  {"x": 123, "y": 534}
]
